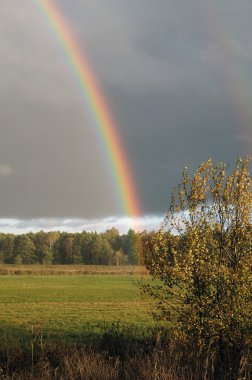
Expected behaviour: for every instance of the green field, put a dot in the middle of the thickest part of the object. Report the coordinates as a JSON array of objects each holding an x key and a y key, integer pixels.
[
  {"x": 83, "y": 326},
  {"x": 70, "y": 304}
]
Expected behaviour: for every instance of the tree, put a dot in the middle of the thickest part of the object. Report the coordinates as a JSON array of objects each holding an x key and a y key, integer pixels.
[
  {"x": 142, "y": 240},
  {"x": 131, "y": 247},
  {"x": 24, "y": 250},
  {"x": 203, "y": 257},
  {"x": 64, "y": 249},
  {"x": 52, "y": 237},
  {"x": 43, "y": 252},
  {"x": 113, "y": 237},
  {"x": 7, "y": 247},
  {"x": 77, "y": 258},
  {"x": 119, "y": 258}
]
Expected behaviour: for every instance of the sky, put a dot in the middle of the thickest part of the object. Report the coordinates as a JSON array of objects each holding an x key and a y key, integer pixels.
[{"x": 176, "y": 75}]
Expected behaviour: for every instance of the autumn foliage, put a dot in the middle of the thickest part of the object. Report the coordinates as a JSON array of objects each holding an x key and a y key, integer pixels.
[{"x": 203, "y": 257}]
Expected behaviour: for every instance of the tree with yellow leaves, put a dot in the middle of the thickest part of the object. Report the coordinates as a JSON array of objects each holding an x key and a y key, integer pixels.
[{"x": 203, "y": 257}]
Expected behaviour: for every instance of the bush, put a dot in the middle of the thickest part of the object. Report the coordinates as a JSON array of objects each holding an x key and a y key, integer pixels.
[{"x": 203, "y": 257}]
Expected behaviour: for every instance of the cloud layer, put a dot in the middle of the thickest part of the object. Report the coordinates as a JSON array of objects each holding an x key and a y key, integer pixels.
[{"x": 20, "y": 226}]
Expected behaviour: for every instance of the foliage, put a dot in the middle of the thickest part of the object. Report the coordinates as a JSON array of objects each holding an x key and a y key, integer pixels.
[
  {"x": 25, "y": 250},
  {"x": 131, "y": 246},
  {"x": 91, "y": 248},
  {"x": 202, "y": 255}
]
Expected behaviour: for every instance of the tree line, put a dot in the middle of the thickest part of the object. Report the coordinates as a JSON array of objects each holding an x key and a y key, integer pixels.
[{"x": 91, "y": 248}]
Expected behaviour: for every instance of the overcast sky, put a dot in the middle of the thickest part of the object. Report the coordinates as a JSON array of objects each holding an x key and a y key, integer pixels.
[{"x": 176, "y": 75}]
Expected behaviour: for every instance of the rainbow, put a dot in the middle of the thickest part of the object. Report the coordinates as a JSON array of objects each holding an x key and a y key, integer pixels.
[{"x": 96, "y": 106}]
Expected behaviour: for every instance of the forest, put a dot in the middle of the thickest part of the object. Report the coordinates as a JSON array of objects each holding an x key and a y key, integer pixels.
[{"x": 92, "y": 248}]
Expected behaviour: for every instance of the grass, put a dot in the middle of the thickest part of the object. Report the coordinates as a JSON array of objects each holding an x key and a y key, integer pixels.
[
  {"x": 71, "y": 270},
  {"x": 43, "y": 317},
  {"x": 71, "y": 304},
  {"x": 90, "y": 324}
]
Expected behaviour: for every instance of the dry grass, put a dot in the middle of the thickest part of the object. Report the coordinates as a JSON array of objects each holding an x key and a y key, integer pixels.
[
  {"x": 168, "y": 362},
  {"x": 75, "y": 365},
  {"x": 6, "y": 269},
  {"x": 119, "y": 354}
]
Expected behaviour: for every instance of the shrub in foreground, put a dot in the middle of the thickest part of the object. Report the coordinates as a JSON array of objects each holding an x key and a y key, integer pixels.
[{"x": 203, "y": 257}]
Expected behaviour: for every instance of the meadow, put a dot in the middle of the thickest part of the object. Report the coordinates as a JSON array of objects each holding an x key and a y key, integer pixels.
[
  {"x": 79, "y": 321},
  {"x": 86, "y": 322},
  {"x": 73, "y": 304}
]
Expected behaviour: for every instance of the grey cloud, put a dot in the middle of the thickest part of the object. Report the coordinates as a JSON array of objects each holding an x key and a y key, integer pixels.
[
  {"x": 166, "y": 68},
  {"x": 32, "y": 64},
  {"x": 128, "y": 49},
  {"x": 5, "y": 170},
  {"x": 157, "y": 44}
]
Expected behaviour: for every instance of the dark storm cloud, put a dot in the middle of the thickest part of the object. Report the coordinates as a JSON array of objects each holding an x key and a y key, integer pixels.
[{"x": 165, "y": 72}]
